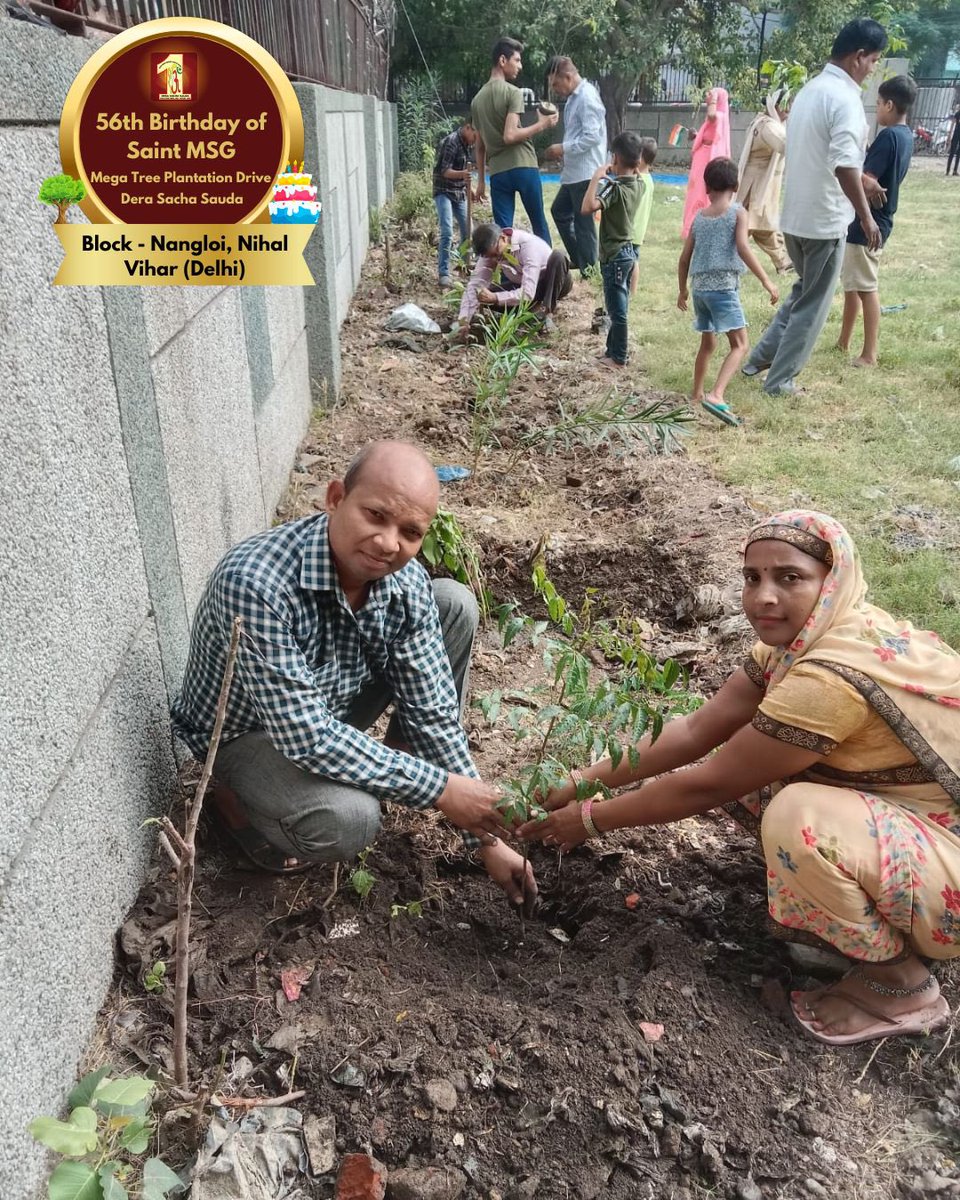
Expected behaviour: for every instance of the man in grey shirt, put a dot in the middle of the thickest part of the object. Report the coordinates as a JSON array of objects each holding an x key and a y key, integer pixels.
[{"x": 583, "y": 150}]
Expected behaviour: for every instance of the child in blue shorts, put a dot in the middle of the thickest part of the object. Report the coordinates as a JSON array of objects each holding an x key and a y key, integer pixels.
[{"x": 715, "y": 255}]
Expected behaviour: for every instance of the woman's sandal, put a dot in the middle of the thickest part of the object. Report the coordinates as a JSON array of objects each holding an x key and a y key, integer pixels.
[
  {"x": 722, "y": 411},
  {"x": 919, "y": 1021}
]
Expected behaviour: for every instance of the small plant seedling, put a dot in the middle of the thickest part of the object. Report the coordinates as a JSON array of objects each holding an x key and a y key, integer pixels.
[
  {"x": 108, "y": 1130},
  {"x": 575, "y": 717},
  {"x": 413, "y": 908},
  {"x": 509, "y": 345},
  {"x": 361, "y": 880},
  {"x": 154, "y": 980},
  {"x": 447, "y": 545}
]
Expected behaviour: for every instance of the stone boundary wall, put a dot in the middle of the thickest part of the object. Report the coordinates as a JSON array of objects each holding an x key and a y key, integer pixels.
[{"x": 144, "y": 431}]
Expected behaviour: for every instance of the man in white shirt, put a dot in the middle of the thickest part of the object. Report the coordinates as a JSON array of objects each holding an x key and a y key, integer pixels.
[
  {"x": 529, "y": 270},
  {"x": 583, "y": 149},
  {"x": 823, "y": 188}
]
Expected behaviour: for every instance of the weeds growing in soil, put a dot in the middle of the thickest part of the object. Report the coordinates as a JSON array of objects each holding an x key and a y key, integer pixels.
[
  {"x": 108, "y": 1130},
  {"x": 447, "y": 545},
  {"x": 154, "y": 980}
]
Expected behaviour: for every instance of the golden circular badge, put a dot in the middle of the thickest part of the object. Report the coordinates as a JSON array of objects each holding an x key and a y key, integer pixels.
[{"x": 180, "y": 122}]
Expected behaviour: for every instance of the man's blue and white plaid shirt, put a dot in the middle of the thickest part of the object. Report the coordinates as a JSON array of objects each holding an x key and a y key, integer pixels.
[{"x": 305, "y": 654}]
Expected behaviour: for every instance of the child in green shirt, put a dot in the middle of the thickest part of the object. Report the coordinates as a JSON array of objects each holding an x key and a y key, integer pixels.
[
  {"x": 648, "y": 152},
  {"x": 617, "y": 203}
]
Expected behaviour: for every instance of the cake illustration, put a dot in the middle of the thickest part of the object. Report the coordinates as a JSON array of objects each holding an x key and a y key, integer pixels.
[{"x": 294, "y": 198}]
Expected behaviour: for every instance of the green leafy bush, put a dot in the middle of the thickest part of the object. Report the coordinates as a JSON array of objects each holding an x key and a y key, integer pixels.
[
  {"x": 108, "y": 1130},
  {"x": 412, "y": 196},
  {"x": 420, "y": 123}
]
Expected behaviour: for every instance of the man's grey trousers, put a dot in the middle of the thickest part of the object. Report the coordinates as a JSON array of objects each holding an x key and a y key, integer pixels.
[
  {"x": 313, "y": 818},
  {"x": 791, "y": 336}
]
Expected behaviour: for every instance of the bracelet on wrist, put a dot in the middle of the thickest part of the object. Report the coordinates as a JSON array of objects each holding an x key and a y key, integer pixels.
[{"x": 585, "y": 816}]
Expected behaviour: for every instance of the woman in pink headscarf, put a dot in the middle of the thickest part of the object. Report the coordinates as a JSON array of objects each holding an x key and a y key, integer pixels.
[{"x": 712, "y": 141}]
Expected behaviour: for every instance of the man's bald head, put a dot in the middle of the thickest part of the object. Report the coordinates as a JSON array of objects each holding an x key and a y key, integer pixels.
[
  {"x": 395, "y": 463},
  {"x": 379, "y": 514}
]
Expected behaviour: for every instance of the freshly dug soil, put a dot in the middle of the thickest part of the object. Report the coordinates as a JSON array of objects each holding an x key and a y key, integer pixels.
[{"x": 609, "y": 1048}]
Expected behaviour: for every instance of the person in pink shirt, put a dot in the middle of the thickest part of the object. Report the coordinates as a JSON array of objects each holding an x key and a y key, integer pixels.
[
  {"x": 712, "y": 141},
  {"x": 529, "y": 270}
]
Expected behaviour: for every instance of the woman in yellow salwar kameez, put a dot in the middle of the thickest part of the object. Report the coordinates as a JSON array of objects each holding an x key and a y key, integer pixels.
[{"x": 841, "y": 733}]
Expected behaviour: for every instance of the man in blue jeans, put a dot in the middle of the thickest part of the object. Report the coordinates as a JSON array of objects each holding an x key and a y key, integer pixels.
[
  {"x": 452, "y": 172},
  {"x": 503, "y": 144},
  {"x": 583, "y": 149}
]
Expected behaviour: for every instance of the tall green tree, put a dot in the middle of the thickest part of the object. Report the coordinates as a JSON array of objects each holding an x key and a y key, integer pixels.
[{"x": 932, "y": 33}]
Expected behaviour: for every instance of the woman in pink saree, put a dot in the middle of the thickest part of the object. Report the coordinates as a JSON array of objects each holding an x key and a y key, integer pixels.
[{"x": 712, "y": 141}]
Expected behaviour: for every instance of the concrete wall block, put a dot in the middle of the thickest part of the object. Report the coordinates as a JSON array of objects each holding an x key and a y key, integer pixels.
[
  {"x": 204, "y": 398},
  {"x": 256, "y": 332},
  {"x": 285, "y": 321},
  {"x": 167, "y": 310},
  {"x": 320, "y": 301},
  {"x": 147, "y": 468},
  {"x": 358, "y": 201},
  {"x": 59, "y": 908},
  {"x": 373, "y": 147},
  {"x": 37, "y": 67},
  {"x": 282, "y": 423},
  {"x": 72, "y": 586},
  {"x": 395, "y": 143}
]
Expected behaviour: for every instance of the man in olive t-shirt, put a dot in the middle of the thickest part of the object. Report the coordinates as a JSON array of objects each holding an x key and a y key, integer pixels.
[{"x": 503, "y": 144}]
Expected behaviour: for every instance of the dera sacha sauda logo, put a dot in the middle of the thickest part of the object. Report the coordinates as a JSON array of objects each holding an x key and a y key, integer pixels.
[
  {"x": 174, "y": 76},
  {"x": 180, "y": 121}
]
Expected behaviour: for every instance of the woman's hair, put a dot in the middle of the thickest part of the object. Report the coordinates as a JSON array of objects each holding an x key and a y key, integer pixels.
[
  {"x": 862, "y": 34},
  {"x": 628, "y": 147},
  {"x": 505, "y": 48},
  {"x": 721, "y": 175},
  {"x": 900, "y": 90},
  {"x": 485, "y": 238}
]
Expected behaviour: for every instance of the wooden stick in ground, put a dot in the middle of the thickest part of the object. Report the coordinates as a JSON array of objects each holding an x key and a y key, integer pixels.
[
  {"x": 469, "y": 215},
  {"x": 185, "y": 874}
]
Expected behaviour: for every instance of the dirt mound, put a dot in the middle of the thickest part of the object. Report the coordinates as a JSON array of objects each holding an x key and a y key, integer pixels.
[{"x": 535, "y": 1061}]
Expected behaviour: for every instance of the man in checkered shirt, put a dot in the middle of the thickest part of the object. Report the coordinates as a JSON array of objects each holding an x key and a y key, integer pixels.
[{"x": 339, "y": 621}]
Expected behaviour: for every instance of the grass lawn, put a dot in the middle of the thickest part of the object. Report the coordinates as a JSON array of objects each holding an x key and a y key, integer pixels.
[{"x": 871, "y": 447}]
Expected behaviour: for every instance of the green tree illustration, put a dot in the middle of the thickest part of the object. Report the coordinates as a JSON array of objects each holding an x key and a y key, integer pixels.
[{"x": 61, "y": 191}]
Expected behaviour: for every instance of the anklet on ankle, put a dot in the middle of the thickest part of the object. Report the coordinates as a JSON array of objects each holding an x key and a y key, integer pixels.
[{"x": 882, "y": 990}]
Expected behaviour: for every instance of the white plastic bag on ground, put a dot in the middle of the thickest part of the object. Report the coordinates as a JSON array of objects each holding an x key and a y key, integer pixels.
[{"x": 411, "y": 316}]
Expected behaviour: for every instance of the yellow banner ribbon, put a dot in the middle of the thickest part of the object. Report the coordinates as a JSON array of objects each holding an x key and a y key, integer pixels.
[{"x": 208, "y": 255}]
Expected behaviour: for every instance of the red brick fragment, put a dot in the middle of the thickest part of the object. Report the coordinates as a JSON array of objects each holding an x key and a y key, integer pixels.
[{"x": 361, "y": 1178}]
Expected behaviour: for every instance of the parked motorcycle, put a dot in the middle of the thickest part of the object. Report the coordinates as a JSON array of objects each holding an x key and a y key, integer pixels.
[{"x": 932, "y": 139}]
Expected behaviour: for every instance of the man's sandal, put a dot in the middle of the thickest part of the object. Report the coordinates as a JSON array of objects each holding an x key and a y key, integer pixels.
[
  {"x": 262, "y": 855},
  {"x": 229, "y": 818}
]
